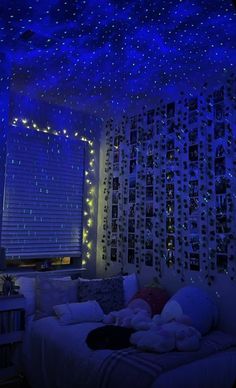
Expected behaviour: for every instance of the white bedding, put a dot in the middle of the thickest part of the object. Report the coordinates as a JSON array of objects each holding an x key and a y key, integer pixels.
[{"x": 57, "y": 356}]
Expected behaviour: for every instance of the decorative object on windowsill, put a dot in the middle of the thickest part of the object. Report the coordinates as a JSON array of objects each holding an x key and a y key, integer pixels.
[
  {"x": 44, "y": 266},
  {"x": 8, "y": 286}
]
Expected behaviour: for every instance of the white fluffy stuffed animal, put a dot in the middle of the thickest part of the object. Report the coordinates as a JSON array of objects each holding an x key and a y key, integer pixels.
[{"x": 167, "y": 337}]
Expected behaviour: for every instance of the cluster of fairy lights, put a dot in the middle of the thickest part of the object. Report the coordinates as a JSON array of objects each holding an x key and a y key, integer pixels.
[{"x": 89, "y": 211}]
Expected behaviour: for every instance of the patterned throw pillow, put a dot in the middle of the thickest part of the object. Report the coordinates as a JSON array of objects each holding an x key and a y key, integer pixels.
[
  {"x": 108, "y": 293},
  {"x": 51, "y": 292}
]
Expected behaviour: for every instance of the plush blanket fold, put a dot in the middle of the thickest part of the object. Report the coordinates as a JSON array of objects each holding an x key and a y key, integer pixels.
[{"x": 122, "y": 368}]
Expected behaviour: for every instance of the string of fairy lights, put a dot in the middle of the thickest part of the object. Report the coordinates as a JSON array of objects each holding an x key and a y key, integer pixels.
[{"x": 90, "y": 190}]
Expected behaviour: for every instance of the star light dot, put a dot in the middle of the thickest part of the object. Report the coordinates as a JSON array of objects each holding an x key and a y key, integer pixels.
[{"x": 107, "y": 58}]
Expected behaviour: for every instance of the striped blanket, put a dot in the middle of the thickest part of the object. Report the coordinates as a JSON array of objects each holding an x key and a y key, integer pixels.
[{"x": 134, "y": 368}]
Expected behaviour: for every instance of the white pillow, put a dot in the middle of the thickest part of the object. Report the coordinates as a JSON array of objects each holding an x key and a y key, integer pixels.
[
  {"x": 79, "y": 312},
  {"x": 130, "y": 283},
  {"x": 27, "y": 288}
]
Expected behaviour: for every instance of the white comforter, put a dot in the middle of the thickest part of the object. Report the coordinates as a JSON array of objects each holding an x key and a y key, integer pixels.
[
  {"x": 53, "y": 353},
  {"x": 57, "y": 357}
]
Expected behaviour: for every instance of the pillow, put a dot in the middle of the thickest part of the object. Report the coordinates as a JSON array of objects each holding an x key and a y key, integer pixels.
[
  {"x": 79, "y": 312},
  {"x": 197, "y": 304},
  {"x": 107, "y": 292},
  {"x": 154, "y": 296},
  {"x": 51, "y": 292},
  {"x": 130, "y": 286},
  {"x": 130, "y": 283},
  {"x": 27, "y": 288}
]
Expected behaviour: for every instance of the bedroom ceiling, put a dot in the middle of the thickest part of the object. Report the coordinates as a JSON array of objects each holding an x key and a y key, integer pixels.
[{"x": 104, "y": 57}]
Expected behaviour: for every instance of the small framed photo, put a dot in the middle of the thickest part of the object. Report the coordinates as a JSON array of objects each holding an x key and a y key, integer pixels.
[
  {"x": 133, "y": 137},
  {"x": 114, "y": 211},
  {"x": 221, "y": 204},
  {"x": 149, "y": 179},
  {"x": 195, "y": 243},
  {"x": 170, "y": 110},
  {"x": 117, "y": 141},
  {"x": 170, "y": 156},
  {"x": 131, "y": 240},
  {"x": 193, "y": 225},
  {"x": 116, "y": 156},
  {"x": 132, "y": 166},
  {"x": 221, "y": 186},
  {"x": 132, "y": 195},
  {"x": 170, "y": 145},
  {"x": 194, "y": 259},
  {"x": 222, "y": 244},
  {"x": 193, "y": 188},
  {"x": 149, "y": 259},
  {"x": 218, "y": 95},
  {"x": 149, "y": 193},
  {"x": 193, "y": 117},
  {"x": 131, "y": 256},
  {"x": 115, "y": 197},
  {"x": 132, "y": 211},
  {"x": 114, "y": 240},
  {"x": 221, "y": 223},
  {"x": 132, "y": 183},
  {"x": 116, "y": 167},
  {"x": 222, "y": 263},
  {"x": 219, "y": 112},
  {"x": 133, "y": 152},
  {"x": 150, "y": 161},
  {"x": 150, "y": 116},
  {"x": 193, "y": 135},
  {"x": 170, "y": 175},
  {"x": 115, "y": 183},
  {"x": 170, "y": 207},
  {"x": 131, "y": 225},
  {"x": 113, "y": 254},
  {"x": 149, "y": 241},
  {"x": 133, "y": 123},
  {"x": 193, "y": 152},
  {"x": 193, "y": 104},
  {"x": 170, "y": 191},
  {"x": 219, "y": 130},
  {"x": 114, "y": 226},
  {"x": 170, "y": 225},
  {"x": 170, "y": 243},
  {"x": 193, "y": 205},
  {"x": 149, "y": 209},
  {"x": 170, "y": 125},
  {"x": 149, "y": 224}
]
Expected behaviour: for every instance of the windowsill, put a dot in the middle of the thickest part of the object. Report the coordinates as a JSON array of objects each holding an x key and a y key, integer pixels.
[{"x": 30, "y": 271}]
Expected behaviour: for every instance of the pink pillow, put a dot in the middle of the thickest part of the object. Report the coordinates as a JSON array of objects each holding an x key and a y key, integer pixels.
[{"x": 154, "y": 296}]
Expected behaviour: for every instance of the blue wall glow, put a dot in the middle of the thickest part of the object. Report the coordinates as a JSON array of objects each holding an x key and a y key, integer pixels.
[{"x": 107, "y": 57}]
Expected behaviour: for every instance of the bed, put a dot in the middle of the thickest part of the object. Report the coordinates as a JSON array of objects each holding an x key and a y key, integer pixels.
[{"x": 57, "y": 356}]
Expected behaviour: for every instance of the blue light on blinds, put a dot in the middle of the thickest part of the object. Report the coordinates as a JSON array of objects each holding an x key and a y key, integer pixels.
[{"x": 43, "y": 195}]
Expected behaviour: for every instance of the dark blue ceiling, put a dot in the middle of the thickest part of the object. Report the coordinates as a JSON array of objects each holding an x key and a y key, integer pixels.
[{"x": 106, "y": 57}]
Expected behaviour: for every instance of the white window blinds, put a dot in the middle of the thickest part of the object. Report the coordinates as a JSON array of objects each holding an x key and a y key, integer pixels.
[{"x": 43, "y": 195}]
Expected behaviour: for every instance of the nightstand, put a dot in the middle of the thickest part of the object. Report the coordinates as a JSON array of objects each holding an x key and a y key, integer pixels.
[{"x": 12, "y": 325}]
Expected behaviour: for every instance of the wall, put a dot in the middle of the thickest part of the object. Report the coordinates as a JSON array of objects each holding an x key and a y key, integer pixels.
[{"x": 167, "y": 204}]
